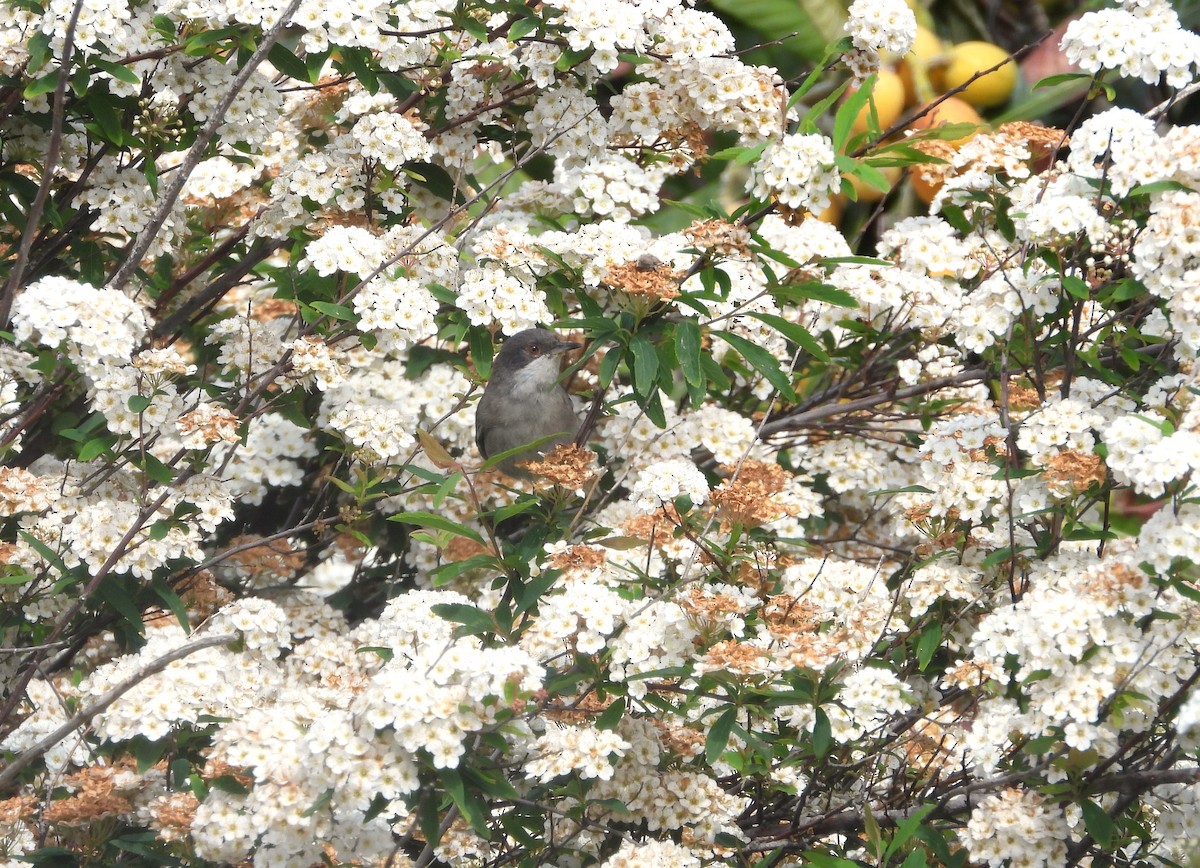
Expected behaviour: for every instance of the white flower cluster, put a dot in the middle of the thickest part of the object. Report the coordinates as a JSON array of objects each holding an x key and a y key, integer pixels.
[
  {"x": 398, "y": 310},
  {"x": 1145, "y": 454},
  {"x": 662, "y": 854},
  {"x": 97, "y": 327},
  {"x": 799, "y": 171},
  {"x": 1016, "y": 825},
  {"x": 89, "y": 527},
  {"x": 878, "y": 26},
  {"x": 1142, "y": 39},
  {"x": 566, "y": 750},
  {"x": 661, "y": 483},
  {"x": 1079, "y": 627},
  {"x": 491, "y": 294},
  {"x": 384, "y": 431},
  {"x": 274, "y": 454},
  {"x": 391, "y": 139}
]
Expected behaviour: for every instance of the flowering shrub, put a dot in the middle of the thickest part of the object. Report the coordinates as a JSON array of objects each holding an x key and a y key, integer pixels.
[{"x": 843, "y": 568}]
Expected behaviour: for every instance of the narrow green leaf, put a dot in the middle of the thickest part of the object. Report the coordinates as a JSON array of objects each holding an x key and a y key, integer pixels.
[
  {"x": 848, "y": 111},
  {"x": 687, "y": 351},
  {"x": 822, "y": 737},
  {"x": 816, "y": 291},
  {"x": 39, "y": 50},
  {"x": 116, "y": 70},
  {"x": 718, "y": 735},
  {"x": 19, "y": 578},
  {"x": 645, "y": 364},
  {"x": 95, "y": 448},
  {"x": 762, "y": 361},
  {"x": 39, "y": 86},
  {"x": 337, "y": 311},
  {"x": 1099, "y": 825},
  {"x": 523, "y": 27},
  {"x": 612, "y": 715},
  {"x": 927, "y": 645},
  {"x": 469, "y": 804},
  {"x": 437, "y": 522},
  {"x": 795, "y": 333},
  {"x": 288, "y": 63},
  {"x": 475, "y": 621}
]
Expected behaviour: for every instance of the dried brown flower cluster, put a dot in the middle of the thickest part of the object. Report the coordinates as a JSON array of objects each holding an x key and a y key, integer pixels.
[
  {"x": 21, "y": 491},
  {"x": 1075, "y": 471},
  {"x": 737, "y": 657},
  {"x": 212, "y": 424},
  {"x": 656, "y": 528},
  {"x": 747, "y": 499},
  {"x": 644, "y": 278},
  {"x": 94, "y": 797},
  {"x": 687, "y": 144},
  {"x": 934, "y": 174},
  {"x": 271, "y": 560},
  {"x": 567, "y": 465},
  {"x": 719, "y": 237},
  {"x": 582, "y": 711},
  {"x": 578, "y": 557},
  {"x": 173, "y": 815},
  {"x": 1023, "y": 399}
]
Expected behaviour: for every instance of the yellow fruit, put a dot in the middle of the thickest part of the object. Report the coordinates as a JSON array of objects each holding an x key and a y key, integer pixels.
[
  {"x": 888, "y": 97},
  {"x": 832, "y": 214},
  {"x": 926, "y": 47},
  {"x": 968, "y": 58},
  {"x": 951, "y": 110}
]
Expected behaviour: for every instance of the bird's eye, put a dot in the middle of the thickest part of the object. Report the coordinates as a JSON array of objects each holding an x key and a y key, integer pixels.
[{"x": 534, "y": 350}]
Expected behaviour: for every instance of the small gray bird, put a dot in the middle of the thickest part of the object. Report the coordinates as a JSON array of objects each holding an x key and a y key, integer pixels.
[{"x": 524, "y": 401}]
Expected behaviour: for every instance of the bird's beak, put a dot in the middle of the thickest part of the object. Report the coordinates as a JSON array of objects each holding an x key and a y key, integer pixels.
[{"x": 563, "y": 346}]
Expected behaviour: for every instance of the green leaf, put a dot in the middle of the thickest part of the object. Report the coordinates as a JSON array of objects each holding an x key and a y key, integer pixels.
[
  {"x": 95, "y": 447},
  {"x": 138, "y": 403},
  {"x": 612, "y": 715},
  {"x": 288, "y": 63},
  {"x": 39, "y": 86},
  {"x": 107, "y": 121},
  {"x": 571, "y": 58},
  {"x": 174, "y": 603},
  {"x": 469, "y": 804},
  {"x": 608, "y": 367},
  {"x": 795, "y": 333},
  {"x": 687, "y": 351},
  {"x": 1052, "y": 80},
  {"x": 39, "y": 50},
  {"x": 927, "y": 645},
  {"x": 1099, "y": 825},
  {"x": 437, "y": 522},
  {"x": 645, "y": 364},
  {"x": 523, "y": 27},
  {"x": 718, "y": 735},
  {"x": 810, "y": 23},
  {"x": 1076, "y": 286},
  {"x": 147, "y": 752},
  {"x": 905, "y": 829},
  {"x": 19, "y": 578},
  {"x": 816, "y": 291},
  {"x": 337, "y": 311},
  {"x": 116, "y": 70},
  {"x": 475, "y": 621},
  {"x": 848, "y": 111},
  {"x": 762, "y": 361},
  {"x": 155, "y": 469},
  {"x": 822, "y": 737}
]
